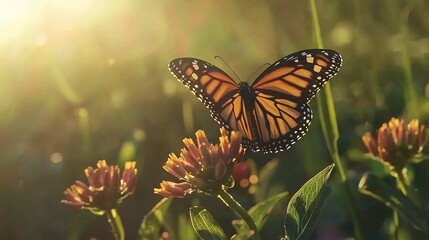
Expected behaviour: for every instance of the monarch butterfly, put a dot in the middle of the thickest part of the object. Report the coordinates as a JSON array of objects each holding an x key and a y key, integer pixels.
[{"x": 273, "y": 112}]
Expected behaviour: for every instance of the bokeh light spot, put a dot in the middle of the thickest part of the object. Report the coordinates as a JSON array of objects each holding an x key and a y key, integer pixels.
[
  {"x": 244, "y": 183},
  {"x": 342, "y": 33},
  {"x": 56, "y": 157},
  {"x": 169, "y": 87},
  {"x": 253, "y": 179},
  {"x": 83, "y": 113},
  {"x": 139, "y": 135},
  {"x": 111, "y": 61}
]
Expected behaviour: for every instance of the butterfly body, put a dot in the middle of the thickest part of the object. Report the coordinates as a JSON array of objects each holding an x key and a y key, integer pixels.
[
  {"x": 273, "y": 112},
  {"x": 249, "y": 97},
  {"x": 246, "y": 91}
]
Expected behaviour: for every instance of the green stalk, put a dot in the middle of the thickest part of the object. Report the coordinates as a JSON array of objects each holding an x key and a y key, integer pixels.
[
  {"x": 405, "y": 186},
  {"x": 116, "y": 224},
  {"x": 84, "y": 131},
  {"x": 409, "y": 83},
  {"x": 329, "y": 125},
  {"x": 400, "y": 184},
  {"x": 240, "y": 211},
  {"x": 396, "y": 224},
  {"x": 410, "y": 89}
]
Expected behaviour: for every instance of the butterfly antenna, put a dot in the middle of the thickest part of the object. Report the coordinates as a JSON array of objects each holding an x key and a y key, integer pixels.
[
  {"x": 228, "y": 66},
  {"x": 257, "y": 70}
]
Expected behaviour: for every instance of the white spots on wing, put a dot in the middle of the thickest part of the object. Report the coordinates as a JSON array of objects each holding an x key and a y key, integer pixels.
[
  {"x": 286, "y": 141},
  {"x": 317, "y": 68}
]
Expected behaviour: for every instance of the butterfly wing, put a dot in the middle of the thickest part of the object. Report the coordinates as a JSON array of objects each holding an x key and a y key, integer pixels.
[
  {"x": 215, "y": 89},
  {"x": 283, "y": 90},
  {"x": 275, "y": 114}
]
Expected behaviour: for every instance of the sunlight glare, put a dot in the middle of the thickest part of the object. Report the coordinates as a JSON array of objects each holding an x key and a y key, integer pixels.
[
  {"x": 15, "y": 16},
  {"x": 22, "y": 17}
]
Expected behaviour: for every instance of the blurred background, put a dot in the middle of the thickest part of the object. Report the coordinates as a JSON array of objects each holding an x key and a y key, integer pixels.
[{"x": 87, "y": 80}]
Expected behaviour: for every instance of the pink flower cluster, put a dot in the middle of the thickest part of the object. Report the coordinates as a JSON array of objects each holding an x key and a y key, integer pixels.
[
  {"x": 203, "y": 166},
  {"x": 396, "y": 142},
  {"x": 106, "y": 188}
]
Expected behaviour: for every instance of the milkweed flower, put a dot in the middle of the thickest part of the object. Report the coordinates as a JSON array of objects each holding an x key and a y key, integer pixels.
[
  {"x": 105, "y": 190},
  {"x": 203, "y": 166},
  {"x": 396, "y": 143}
]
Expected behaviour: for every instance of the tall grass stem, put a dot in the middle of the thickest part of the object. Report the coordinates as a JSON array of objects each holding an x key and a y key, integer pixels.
[{"x": 329, "y": 125}]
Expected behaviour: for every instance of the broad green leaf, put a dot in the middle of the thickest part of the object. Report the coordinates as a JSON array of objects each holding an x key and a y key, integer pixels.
[
  {"x": 305, "y": 206},
  {"x": 373, "y": 186},
  {"x": 259, "y": 214},
  {"x": 153, "y": 221},
  {"x": 265, "y": 175},
  {"x": 204, "y": 224}
]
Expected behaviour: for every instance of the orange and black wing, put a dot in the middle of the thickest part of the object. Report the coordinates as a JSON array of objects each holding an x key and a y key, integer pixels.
[
  {"x": 215, "y": 89},
  {"x": 281, "y": 112}
]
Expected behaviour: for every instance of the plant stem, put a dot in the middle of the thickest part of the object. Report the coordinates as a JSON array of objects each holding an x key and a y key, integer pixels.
[
  {"x": 239, "y": 210},
  {"x": 396, "y": 224},
  {"x": 116, "y": 224},
  {"x": 330, "y": 130},
  {"x": 410, "y": 89},
  {"x": 405, "y": 186},
  {"x": 347, "y": 190}
]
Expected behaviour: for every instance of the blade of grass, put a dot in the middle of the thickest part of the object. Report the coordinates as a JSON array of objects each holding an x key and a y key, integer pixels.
[
  {"x": 329, "y": 125},
  {"x": 410, "y": 90},
  {"x": 64, "y": 85},
  {"x": 84, "y": 132},
  {"x": 188, "y": 116}
]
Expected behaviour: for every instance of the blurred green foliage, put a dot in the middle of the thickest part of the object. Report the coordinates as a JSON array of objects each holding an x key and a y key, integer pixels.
[{"x": 87, "y": 80}]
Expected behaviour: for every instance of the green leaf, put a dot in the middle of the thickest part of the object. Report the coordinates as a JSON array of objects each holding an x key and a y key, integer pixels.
[
  {"x": 419, "y": 158},
  {"x": 265, "y": 175},
  {"x": 153, "y": 221},
  {"x": 204, "y": 224},
  {"x": 229, "y": 182},
  {"x": 305, "y": 206},
  {"x": 127, "y": 153},
  {"x": 185, "y": 230},
  {"x": 259, "y": 214},
  {"x": 374, "y": 187}
]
